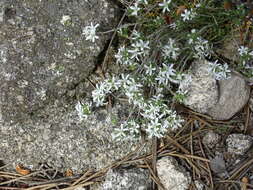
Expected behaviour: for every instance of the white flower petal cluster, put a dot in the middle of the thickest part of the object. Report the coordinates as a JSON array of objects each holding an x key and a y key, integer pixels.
[
  {"x": 103, "y": 89},
  {"x": 138, "y": 49},
  {"x": 134, "y": 9},
  {"x": 128, "y": 130},
  {"x": 83, "y": 110},
  {"x": 149, "y": 69},
  {"x": 185, "y": 83},
  {"x": 166, "y": 74},
  {"x": 123, "y": 57},
  {"x": 90, "y": 32},
  {"x": 201, "y": 47},
  {"x": 132, "y": 89},
  {"x": 165, "y": 5},
  {"x": 188, "y": 14},
  {"x": 170, "y": 50},
  {"x": 159, "y": 119},
  {"x": 246, "y": 54},
  {"x": 243, "y": 50},
  {"x": 219, "y": 71}
]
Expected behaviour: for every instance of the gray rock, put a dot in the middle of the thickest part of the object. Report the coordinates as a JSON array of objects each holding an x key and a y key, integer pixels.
[
  {"x": 203, "y": 90},
  {"x": 64, "y": 142},
  {"x": 233, "y": 95},
  {"x": 44, "y": 61},
  {"x": 211, "y": 139},
  {"x": 238, "y": 144},
  {"x": 126, "y": 179},
  {"x": 172, "y": 176},
  {"x": 219, "y": 99},
  {"x": 43, "y": 53}
]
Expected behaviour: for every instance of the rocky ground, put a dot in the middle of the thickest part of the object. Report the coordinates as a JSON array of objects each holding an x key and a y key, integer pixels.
[{"x": 47, "y": 67}]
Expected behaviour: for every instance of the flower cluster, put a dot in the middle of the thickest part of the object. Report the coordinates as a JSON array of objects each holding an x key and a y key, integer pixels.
[
  {"x": 166, "y": 74},
  {"x": 157, "y": 50},
  {"x": 219, "y": 71},
  {"x": 200, "y": 46},
  {"x": 157, "y": 119},
  {"x": 245, "y": 53},
  {"x": 170, "y": 50},
  {"x": 90, "y": 32}
]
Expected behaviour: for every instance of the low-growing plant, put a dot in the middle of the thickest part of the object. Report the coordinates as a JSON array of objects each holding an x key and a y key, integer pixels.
[{"x": 164, "y": 38}]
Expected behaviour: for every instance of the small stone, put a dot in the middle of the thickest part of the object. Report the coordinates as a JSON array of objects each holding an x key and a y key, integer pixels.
[
  {"x": 233, "y": 95},
  {"x": 203, "y": 90},
  {"x": 211, "y": 139},
  {"x": 125, "y": 179},
  {"x": 199, "y": 185},
  {"x": 238, "y": 143},
  {"x": 172, "y": 175}
]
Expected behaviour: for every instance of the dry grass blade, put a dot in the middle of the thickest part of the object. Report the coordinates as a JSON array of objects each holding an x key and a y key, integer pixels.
[
  {"x": 154, "y": 157},
  {"x": 207, "y": 164},
  {"x": 236, "y": 172},
  {"x": 247, "y": 120},
  {"x": 20, "y": 178},
  {"x": 178, "y": 145},
  {"x": 80, "y": 185},
  {"x": 236, "y": 182},
  {"x": 184, "y": 156},
  {"x": 82, "y": 177}
]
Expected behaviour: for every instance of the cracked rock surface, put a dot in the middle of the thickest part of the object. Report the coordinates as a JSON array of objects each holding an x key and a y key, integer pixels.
[{"x": 44, "y": 61}]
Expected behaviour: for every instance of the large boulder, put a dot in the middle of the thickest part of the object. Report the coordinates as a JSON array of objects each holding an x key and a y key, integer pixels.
[
  {"x": 44, "y": 61},
  {"x": 43, "y": 53}
]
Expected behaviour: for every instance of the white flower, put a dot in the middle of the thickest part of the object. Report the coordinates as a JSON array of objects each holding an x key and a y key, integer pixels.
[
  {"x": 134, "y": 9},
  {"x": 123, "y": 57},
  {"x": 185, "y": 83},
  {"x": 188, "y": 15},
  {"x": 149, "y": 69},
  {"x": 83, "y": 110},
  {"x": 65, "y": 19},
  {"x": 120, "y": 133},
  {"x": 173, "y": 26},
  {"x": 220, "y": 72},
  {"x": 90, "y": 32},
  {"x": 140, "y": 47},
  {"x": 170, "y": 50},
  {"x": 79, "y": 110},
  {"x": 115, "y": 83},
  {"x": 135, "y": 35},
  {"x": 100, "y": 93},
  {"x": 165, "y": 5},
  {"x": 201, "y": 47},
  {"x": 243, "y": 50}
]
